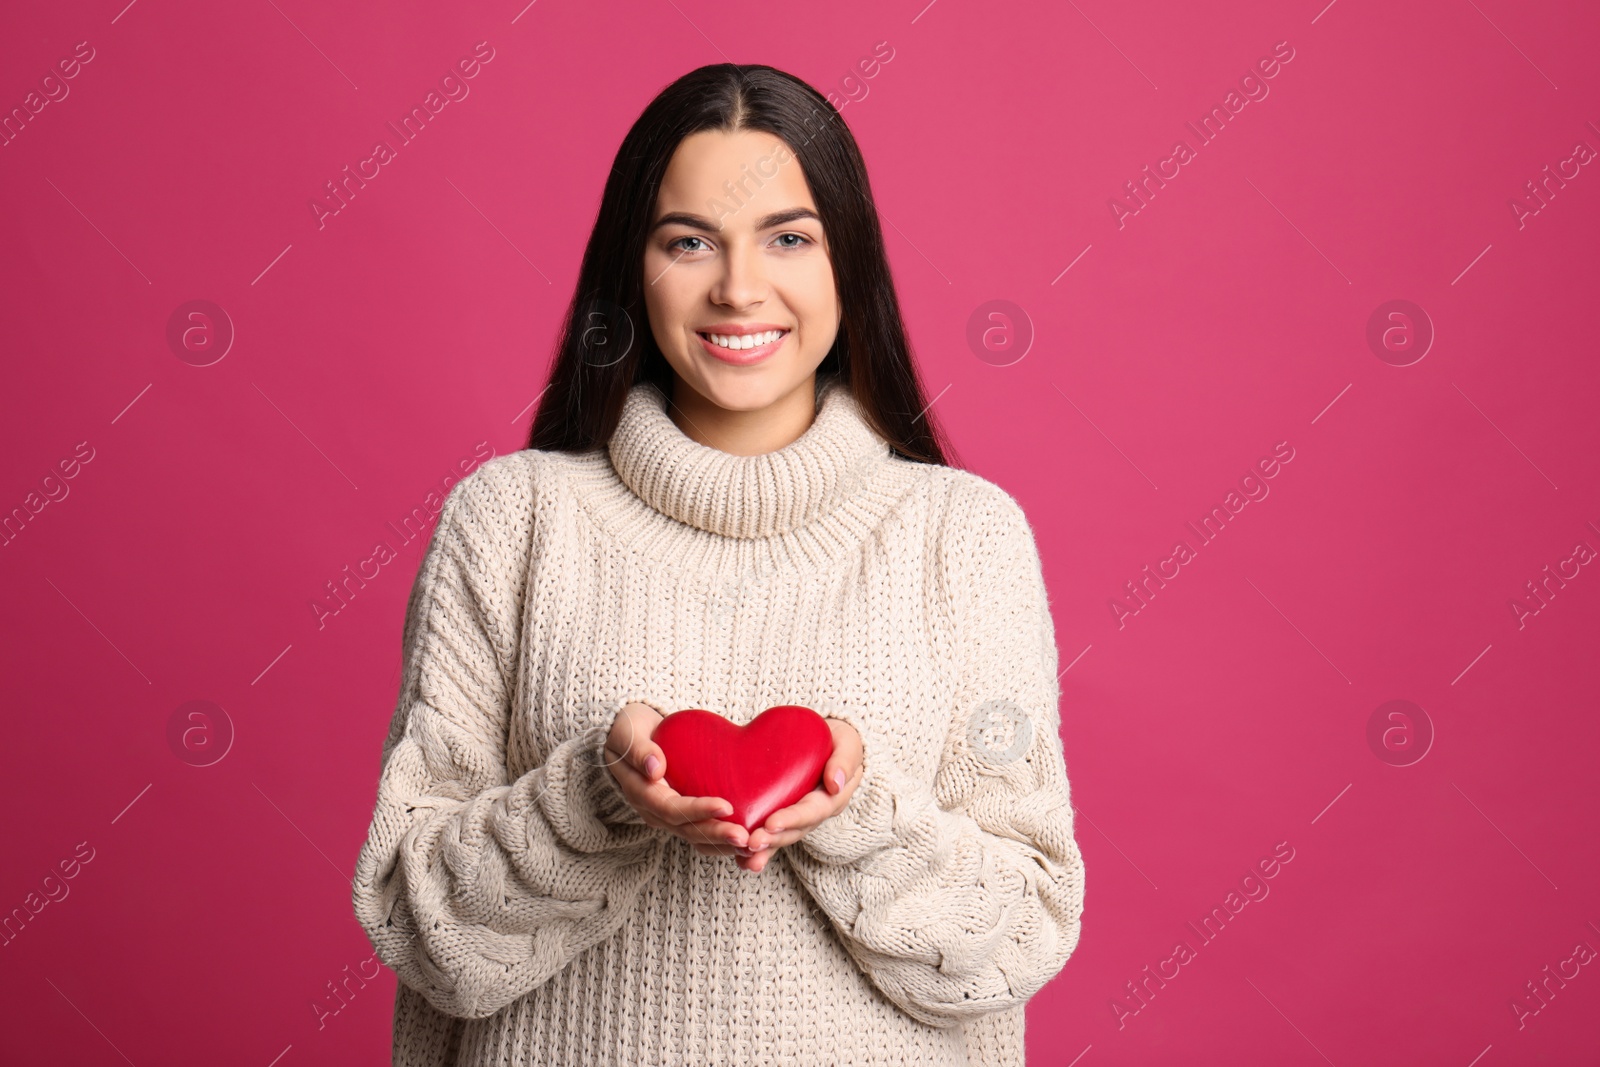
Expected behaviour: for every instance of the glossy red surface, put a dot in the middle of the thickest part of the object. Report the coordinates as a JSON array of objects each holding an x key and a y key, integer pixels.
[{"x": 768, "y": 764}]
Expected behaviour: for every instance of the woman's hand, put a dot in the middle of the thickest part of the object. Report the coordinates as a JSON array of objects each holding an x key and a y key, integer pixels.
[
  {"x": 840, "y": 776},
  {"x": 639, "y": 766}
]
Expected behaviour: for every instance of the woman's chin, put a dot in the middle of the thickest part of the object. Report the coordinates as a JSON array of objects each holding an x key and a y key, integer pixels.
[{"x": 747, "y": 388}]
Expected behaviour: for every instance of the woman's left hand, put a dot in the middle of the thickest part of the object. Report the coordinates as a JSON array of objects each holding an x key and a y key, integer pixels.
[{"x": 840, "y": 776}]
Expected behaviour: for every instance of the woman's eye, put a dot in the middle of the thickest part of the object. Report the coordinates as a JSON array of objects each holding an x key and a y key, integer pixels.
[{"x": 784, "y": 240}]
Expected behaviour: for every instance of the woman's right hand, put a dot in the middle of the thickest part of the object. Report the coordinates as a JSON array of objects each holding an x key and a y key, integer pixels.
[{"x": 639, "y": 766}]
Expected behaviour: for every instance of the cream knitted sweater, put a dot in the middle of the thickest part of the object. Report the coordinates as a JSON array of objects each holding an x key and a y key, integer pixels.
[{"x": 530, "y": 914}]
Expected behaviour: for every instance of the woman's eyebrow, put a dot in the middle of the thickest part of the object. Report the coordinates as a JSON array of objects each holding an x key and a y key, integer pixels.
[{"x": 766, "y": 222}]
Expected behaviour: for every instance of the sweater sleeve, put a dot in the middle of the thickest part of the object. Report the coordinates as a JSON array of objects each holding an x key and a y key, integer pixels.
[
  {"x": 962, "y": 897},
  {"x": 475, "y": 887}
]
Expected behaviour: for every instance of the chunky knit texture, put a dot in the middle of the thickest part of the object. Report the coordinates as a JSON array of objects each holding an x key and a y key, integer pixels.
[{"x": 530, "y": 914}]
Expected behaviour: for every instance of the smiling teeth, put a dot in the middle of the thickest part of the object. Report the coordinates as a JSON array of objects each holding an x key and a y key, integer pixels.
[{"x": 749, "y": 340}]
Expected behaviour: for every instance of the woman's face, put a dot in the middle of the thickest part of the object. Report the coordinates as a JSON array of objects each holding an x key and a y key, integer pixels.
[{"x": 737, "y": 280}]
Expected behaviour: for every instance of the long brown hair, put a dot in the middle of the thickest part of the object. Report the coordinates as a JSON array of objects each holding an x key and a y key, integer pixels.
[{"x": 606, "y": 345}]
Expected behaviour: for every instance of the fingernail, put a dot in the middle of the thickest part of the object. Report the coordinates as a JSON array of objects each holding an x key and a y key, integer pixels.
[
  {"x": 838, "y": 776},
  {"x": 651, "y": 765}
]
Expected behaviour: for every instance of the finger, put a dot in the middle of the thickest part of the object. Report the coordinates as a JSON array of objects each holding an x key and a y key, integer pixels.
[
  {"x": 640, "y": 753},
  {"x": 753, "y": 846},
  {"x": 652, "y": 760},
  {"x": 837, "y": 774},
  {"x": 851, "y": 769},
  {"x": 763, "y": 842},
  {"x": 713, "y": 832},
  {"x": 636, "y": 788},
  {"x": 665, "y": 803},
  {"x": 691, "y": 830},
  {"x": 764, "y": 839},
  {"x": 755, "y": 864},
  {"x": 788, "y": 825},
  {"x": 681, "y": 810},
  {"x": 809, "y": 810},
  {"x": 669, "y": 805}
]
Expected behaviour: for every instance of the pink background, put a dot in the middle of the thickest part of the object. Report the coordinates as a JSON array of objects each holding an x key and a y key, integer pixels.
[{"x": 208, "y": 913}]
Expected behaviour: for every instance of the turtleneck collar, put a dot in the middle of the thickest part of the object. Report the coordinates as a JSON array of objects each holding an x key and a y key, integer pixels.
[{"x": 745, "y": 496}]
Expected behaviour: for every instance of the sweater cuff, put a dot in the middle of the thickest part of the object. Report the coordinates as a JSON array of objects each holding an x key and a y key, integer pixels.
[
  {"x": 866, "y": 825},
  {"x": 604, "y": 794}
]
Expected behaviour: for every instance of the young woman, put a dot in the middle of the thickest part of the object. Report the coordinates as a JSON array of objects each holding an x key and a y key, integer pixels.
[{"x": 732, "y": 498}]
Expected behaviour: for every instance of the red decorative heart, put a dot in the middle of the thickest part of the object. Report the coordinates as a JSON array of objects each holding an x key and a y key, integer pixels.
[{"x": 758, "y": 768}]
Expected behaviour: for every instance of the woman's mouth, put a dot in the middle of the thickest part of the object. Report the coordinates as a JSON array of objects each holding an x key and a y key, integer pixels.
[{"x": 742, "y": 349}]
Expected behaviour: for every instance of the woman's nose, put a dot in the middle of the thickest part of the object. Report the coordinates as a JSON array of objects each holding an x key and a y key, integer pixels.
[{"x": 743, "y": 280}]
